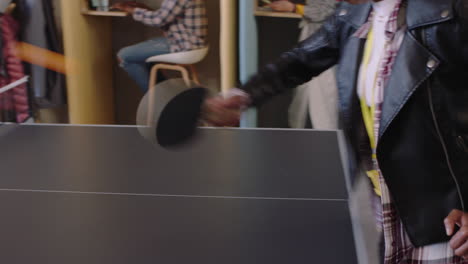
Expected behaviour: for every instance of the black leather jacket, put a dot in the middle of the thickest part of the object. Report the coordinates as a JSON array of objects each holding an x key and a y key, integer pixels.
[{"x": 423, "y": 142}]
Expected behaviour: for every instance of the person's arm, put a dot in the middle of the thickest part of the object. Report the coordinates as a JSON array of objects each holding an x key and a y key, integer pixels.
[
  {"x": 462, "y": 117},
  {"x": 458, "y": 97},
  {"x": 169, "y": 11},
  {"x": 312, "y": 57}
]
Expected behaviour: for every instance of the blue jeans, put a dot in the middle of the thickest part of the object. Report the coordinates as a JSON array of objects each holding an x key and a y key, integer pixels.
[{"x": 133, "y": 59}]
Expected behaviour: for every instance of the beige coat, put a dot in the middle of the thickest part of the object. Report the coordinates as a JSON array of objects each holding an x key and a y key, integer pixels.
[{"x": 319, "y": 97}]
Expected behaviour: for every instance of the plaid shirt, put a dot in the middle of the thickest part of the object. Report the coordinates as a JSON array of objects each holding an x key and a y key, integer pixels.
[
  {"x": 184, "y": 22},
  {"x": 398, "y": 248}
]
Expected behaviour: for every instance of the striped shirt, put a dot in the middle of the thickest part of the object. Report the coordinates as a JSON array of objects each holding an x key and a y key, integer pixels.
[
  {"x": 398, "y": 247},
  {"x": 184, "y": 22}
]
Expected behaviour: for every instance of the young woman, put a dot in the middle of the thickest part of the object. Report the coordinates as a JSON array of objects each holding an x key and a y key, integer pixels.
[{"x": 403, "y": 105}]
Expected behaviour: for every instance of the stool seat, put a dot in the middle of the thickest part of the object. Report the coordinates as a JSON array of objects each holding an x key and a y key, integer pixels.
[{"x": 183, "y": 58}]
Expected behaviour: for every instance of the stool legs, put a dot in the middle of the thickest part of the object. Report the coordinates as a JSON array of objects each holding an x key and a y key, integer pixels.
[
  {"x": 194, "y": 74},
  {"x": 157, "y": 67},
  {"x": 152, "y": 82}
]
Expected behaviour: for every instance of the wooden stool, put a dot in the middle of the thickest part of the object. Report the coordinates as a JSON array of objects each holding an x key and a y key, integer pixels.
[{"x": 183, "y": 62}]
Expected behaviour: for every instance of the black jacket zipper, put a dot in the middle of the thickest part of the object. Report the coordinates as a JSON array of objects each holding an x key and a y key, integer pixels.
[
  {"x": 462, "y": 144},
  {"x": 444, "y": 146}
]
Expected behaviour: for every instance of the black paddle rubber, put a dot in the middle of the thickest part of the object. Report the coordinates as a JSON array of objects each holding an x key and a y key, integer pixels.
[{"x": 179, "y": 118}]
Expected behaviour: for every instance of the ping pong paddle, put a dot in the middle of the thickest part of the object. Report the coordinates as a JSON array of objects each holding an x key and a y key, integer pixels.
[
  {"x": 169, "y": 114},
  {"x": 178, "y": 120}
]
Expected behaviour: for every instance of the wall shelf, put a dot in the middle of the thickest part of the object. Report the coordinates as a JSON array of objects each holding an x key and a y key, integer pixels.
[
  {"x": 276, "y": 14},
  {"x": 85, "y": 10},
  {"x": 104, "y": 13}
]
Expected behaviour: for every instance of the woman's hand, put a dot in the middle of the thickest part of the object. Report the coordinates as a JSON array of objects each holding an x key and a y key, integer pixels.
[
  {"x": 459, "y": 241},
  {"x": 225, "y": 110},
  {"x": 283, "y": 6}
]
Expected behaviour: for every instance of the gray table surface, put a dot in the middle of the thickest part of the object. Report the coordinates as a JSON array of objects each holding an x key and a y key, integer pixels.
[{"x": 104, "y": 195}]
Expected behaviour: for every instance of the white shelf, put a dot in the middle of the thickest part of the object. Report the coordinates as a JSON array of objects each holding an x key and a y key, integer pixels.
[
  {"x": 277, "y": 14},
  {"x": 104, "y": 13}
]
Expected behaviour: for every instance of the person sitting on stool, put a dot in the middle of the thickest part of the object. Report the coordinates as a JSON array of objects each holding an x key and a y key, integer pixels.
[{"x": 185, "y": 27}]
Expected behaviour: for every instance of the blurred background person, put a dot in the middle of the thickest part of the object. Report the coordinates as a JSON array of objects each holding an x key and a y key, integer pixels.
[
  {"x": 315, "y": 103},
  {"x": 185, "y": 26}
]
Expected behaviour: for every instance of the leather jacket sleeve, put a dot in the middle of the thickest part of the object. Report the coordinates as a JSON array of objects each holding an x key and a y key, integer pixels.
[
  {"x": 298, "y": 66},
  {"x": 461, "y": 100}
]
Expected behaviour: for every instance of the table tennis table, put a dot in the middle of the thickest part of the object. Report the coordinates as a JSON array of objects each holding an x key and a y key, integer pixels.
[{"x": 104, "y": 195}]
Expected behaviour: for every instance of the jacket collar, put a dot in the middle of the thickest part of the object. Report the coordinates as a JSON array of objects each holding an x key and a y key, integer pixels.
[
  {"x": 419, "y": 12},
  {"x": 426, "y": 12}
]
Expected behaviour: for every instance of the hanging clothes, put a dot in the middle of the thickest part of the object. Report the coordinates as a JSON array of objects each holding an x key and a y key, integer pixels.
[
  {"x": 38, "y": 27},
  {"x": 14, "y": 104}
]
